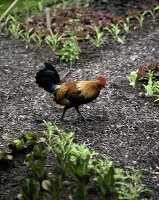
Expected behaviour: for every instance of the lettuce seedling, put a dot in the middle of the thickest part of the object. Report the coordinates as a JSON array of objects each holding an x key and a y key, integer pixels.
[
  {"x": 70, "y": 50},
  {"x": 81, "y": 165},
  {"x": 4, "y": 156},
  {"x": 30, "y": 190},
  {"x": 105, "y": 178},
  {"x": 133, "y": 78},
  {"x": 17, "y": 145},
  {"x": 37, "y": 161}
]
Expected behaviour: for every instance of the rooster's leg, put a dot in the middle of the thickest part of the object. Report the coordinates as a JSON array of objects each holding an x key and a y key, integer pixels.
[
  {"x": 76, "y": 107},
  {"x": 64, "y": 111}
]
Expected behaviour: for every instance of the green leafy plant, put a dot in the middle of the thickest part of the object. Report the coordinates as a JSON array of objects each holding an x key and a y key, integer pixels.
[
  {"x": 74, "y": 32},
  {"x": 14, "y": 27},
  {"x": 60, "y": 144},
  {"x": 126, "y": 25},
  {"x": 37, "y": 161},
  {"x": 152, "y": 88},
  {"x": 37, "y": 37},
  {"x": 53, "y": 40},
  {"x": 53, "y": 186},
  {"x": 129, "y": 183},
  {"x": 154, "y": 12},
  {"x": 23, "y": 141},
  {"x": 115, "y": 31},
  {"x": 76, "y": 161},
  {"x": 28, "y": 136},
  {"x": 4, "y": 156},
  {"x": 27, "y": 36},
  {"x": 141, "y": 18},
  {"x": 17, "y": 145},
  {"x": 30, "y": 190},
  {"x": 105, "y": 173},
  {"x": 70, "y": 50},
  {"x": 133, "y": 78},
  {"x": 98, "y": 38},
  {"x": 81, "y": 165}
]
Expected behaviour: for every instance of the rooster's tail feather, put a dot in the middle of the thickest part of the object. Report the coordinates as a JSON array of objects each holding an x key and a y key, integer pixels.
[{"x": 48, "y": 78}]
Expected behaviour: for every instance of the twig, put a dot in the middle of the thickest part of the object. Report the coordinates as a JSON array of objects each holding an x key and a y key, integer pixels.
[
  {"x": 65, "y": 75},
  {"x": 48, "y": 19},
  {"x": 8, "y": 10}
]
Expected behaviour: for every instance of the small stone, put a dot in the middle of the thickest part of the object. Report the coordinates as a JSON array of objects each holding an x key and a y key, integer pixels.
[{"x": 133, "y": 57}]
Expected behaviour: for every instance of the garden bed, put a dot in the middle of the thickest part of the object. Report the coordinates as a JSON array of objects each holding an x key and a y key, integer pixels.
[{"x": 124, "y": 126}]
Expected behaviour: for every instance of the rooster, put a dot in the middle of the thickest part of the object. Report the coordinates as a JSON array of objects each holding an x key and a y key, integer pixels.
[{"x": 69, "y": 94}]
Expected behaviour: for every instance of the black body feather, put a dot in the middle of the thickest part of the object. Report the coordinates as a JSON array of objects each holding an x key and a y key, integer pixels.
[{"x": 47, "y": 78}]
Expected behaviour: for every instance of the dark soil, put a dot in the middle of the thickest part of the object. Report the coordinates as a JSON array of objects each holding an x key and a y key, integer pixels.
[{"x": 124, "y": 126}]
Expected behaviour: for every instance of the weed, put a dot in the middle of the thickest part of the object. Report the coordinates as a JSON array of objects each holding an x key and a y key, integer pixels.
[
  {"x": 53, "y": 40},
  {"x": 99, "y": 37}
]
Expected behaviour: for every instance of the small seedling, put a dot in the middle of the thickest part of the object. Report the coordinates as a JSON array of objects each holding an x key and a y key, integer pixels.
[
  {"x": 37, "y": 37},
  {"x": 30, "y": 139},
  {"x": 27, "y": 36},
  {"x": 98, "y": 38},
  {"x": 152, "y": 88},
  {"x": 129, "y": 184},
  {"x": 17, "y": 145},
  {"x": 154, "y": 12},
  {"x": 37, "y": 161},
  {"x": 53, "y": 186},
  {"x": 70, "y": 50},
  {"x": 115, "y": 32},
  {"x": 126, "y": 25},
  {"x": 60, "y": 144},
  {"x": 133, "y": 78},
  {"x": 105, "y": 173},
  {"x": 53, "y": 40},
  {"x": 81, "y": 165},
  {"x": 141, "y": 18},
  {"x": 30, "y": 190},
  {"x": 28, "y": 136},
  {"x": 4, "y": 156},
  {"x": 23, "y": 141},
  {"x": 14, "y": 27}
]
